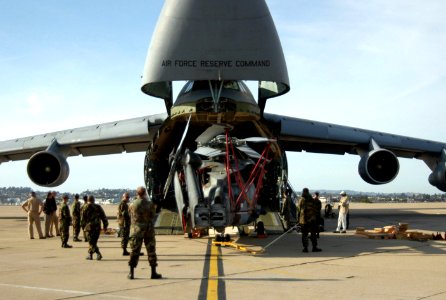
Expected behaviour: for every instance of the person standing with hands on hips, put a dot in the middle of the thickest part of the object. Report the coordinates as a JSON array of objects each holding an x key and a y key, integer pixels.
[{"x": 33, "y": 206}]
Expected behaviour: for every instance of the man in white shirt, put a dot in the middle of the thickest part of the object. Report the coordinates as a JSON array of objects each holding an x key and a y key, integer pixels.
[{"x": 343, "y": 211}]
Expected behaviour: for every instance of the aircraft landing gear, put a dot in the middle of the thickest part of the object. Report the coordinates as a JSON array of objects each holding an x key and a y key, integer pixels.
[
  {"x": 222, "y": 237},
  {"x": 260, "y": 229}
]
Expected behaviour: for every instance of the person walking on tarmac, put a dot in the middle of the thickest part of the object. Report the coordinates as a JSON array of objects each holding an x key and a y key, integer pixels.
[
  {"x": 142, "y": 215},
  {"x": 65, "y": 222},
  {"x": 92, "y": 215},
  {"x": 308, "y": 219},
  {"x": 124, "y": 222}
]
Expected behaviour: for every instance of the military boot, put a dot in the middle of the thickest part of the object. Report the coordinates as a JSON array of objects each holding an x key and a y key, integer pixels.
[
  {"x": 99, "y": 255},
  {"x": 154, "y": 274},
  {"x": 90, "y": 256},
  {"x": 131, "y": 274}
]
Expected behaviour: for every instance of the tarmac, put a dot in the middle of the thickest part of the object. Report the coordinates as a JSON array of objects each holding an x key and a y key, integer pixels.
[{"x": 349, "y": 267}]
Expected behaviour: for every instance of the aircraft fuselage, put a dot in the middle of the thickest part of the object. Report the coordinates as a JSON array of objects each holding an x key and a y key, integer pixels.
[{"x": 231, "y": 168}]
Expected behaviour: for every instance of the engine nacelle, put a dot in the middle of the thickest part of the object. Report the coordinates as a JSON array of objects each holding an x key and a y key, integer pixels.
[
  {"x": 438, "y": 177},
  {"x": 48, "y": 168},
  {"x": 378, "y": 166}
]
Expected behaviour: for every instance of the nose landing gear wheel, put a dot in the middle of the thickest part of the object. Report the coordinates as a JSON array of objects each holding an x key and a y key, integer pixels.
[{"x": 222, "y": 237}]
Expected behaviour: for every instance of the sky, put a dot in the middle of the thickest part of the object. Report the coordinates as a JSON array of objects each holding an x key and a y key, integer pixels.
[{"x": 378, "y": 65}]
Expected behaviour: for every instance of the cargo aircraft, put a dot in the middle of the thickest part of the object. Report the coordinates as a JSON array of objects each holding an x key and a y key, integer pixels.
[{"x": 215, "y": 155}]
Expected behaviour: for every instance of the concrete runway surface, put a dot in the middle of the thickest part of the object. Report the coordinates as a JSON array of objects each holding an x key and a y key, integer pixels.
[{"x": 350, "y": 266}]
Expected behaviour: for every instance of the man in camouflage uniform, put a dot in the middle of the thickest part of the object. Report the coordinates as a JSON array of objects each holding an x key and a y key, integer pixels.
[
  {"x": 82, "y": 209},
  {"x": 64, "y": 222},
  {"x": 124, "y": 222},
  {"x": 76, "y": 214},
  {"x": 92, "y": 215},
  {"x": 308, "y": 217},
  {"x": 142, "y": 214}
]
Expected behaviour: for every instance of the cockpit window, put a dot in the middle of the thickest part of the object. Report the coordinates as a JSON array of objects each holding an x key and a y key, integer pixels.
[
  {"x": 213, "y": 96},
  {"x": 204, "y": 85},
  {"x": 231, "y": 85},
  {"x": 187, "y": 87}
]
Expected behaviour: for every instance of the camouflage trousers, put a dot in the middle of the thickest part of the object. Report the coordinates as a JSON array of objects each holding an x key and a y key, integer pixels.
[
  {"x": 64, "y": 232},
  {"x": 311, "y": 228},
  {"x": 92, "y": 236},
  {"x": 125, "y": 234},
  {"x": 76, "y": 227},
  {"x": 146, "y": 235}
]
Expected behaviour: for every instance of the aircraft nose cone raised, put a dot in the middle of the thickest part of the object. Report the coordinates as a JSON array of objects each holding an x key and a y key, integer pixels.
[{"x": 214, "y": 40}]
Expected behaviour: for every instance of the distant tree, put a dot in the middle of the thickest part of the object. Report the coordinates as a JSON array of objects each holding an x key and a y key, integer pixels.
[{"x": 362, "y": 199}]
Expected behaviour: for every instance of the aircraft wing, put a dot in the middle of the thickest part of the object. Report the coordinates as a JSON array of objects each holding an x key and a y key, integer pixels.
[
  {"x": 131, "y": 135},
  {"x": 298, "y": 135}
]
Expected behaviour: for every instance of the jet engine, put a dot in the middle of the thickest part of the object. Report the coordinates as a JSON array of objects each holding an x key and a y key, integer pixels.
[
  {"x": 48, "y": 168},
  {"x": 378, "y": 166},
  {"x": 438, "y": 177}
]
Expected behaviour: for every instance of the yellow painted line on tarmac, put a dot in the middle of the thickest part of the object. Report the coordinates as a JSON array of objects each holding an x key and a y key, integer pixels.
[{"x": 212, "y": 291}]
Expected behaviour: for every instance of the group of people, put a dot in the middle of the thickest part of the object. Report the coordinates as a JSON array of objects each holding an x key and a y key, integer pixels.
[
  {"x": 66, "y": 219},
  {"x": 137, "y": 218},
  {"x": 136, "y": 223},
  {"x": 310, "y": 220},
  {"x": 34, "y": 207},
  {"x": 87, "y": 216}
]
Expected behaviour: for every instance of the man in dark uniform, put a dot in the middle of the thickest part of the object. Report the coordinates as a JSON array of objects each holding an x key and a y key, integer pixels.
[
  {"x": 50, "y": 209},
  {"x": 92, "y": 215},
  {"x": 76, "y": 214},
  {"x": 142, "y": 214},
  {"x": 124, "y": 222},
  {"x": 64, "y": 222},
  {"x": 318, "y": 207},
  {"x": 308, "y": 218}
]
